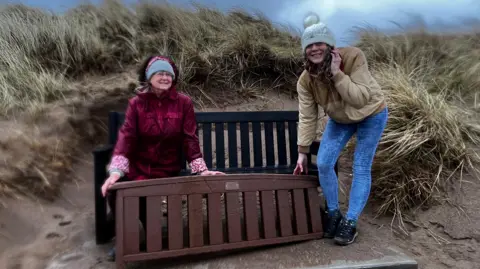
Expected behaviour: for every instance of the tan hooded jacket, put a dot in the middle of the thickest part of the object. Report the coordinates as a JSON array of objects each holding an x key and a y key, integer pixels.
[{"x": 356, "y": 95}]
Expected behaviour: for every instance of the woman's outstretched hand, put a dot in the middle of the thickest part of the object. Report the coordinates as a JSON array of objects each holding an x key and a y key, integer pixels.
[
  {"x": 109, "y": 182},
  {"x": 211, "y": 173},
  {"x": 302, "y": 166}
]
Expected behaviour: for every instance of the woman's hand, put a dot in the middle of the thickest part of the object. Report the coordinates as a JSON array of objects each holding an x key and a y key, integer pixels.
[
  {"x": 211, "y": 173},
  {"x": 301, "y": 164},
  {"x": 336, "y": 61},
  {"x": 109, "y": 182}
]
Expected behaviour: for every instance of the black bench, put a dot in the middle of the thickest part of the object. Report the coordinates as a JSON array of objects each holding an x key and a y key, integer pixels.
[{"x": 278, "y": 128}]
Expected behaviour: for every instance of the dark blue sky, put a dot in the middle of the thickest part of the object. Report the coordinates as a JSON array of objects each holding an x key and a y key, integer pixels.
[{"x": 340, "y": 15}]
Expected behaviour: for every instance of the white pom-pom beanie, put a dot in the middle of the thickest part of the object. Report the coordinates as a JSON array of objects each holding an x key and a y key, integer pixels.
[{"x": 316, "y": 31}]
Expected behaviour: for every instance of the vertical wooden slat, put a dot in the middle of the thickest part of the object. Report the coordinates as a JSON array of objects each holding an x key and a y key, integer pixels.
[
  {"x": 281, "y": 143},
  {"x": 269, "y": 145},
  {"x": 220, "y": 145},
  {"x": 233, "y": 217},
  {"x": 300, "y": 211},
  {"x": 268, "y": 214},
  {"x": 314, "y": 208},
  {"x": 132, "y": 229},
  {"x": 245, "y": 144},
  {"x": 257, "y": 144},
  {"x": 195, "y": 220},
  {"x": 175, "y": 222},
  {"x": 154, "y": 223},
  {"x": 251, "y": 216},
  {"x": 284, "y": 212},
  {"x": 207, "y": 143},
  {"x": 292, "y": 137},
  {"x": 215, "y": 229},
  {"x": 232, "y": 145},
  {"x": 119, "y": 230}
]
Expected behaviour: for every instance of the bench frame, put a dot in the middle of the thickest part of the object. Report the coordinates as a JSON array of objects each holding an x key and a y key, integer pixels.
[
  {"x": 289, "y": 212},
  {"x": 261, "y": 122}
]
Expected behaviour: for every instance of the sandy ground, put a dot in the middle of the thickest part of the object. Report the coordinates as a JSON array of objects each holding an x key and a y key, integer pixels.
[{"x": 60, "y": 234}]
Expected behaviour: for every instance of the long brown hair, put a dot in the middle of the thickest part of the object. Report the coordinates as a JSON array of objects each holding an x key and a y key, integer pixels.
[{"x": 323, "y": 71}]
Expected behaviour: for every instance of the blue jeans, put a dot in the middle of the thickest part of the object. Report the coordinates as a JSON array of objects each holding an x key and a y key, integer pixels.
[{"x": 335, "y": 137}]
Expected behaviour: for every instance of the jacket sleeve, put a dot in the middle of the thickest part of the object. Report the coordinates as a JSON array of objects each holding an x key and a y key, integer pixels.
[
  {"x": 308, "y": 115},
  {"x": 126, "y": 142},
  {"x": 355, "y": 89},
  {"x": 191, "y": 145}
]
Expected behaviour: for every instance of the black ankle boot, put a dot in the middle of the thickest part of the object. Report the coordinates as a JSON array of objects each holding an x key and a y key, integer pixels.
[
  {"x": 331, "y": 224},
  {"x": 346, "y": 232}
]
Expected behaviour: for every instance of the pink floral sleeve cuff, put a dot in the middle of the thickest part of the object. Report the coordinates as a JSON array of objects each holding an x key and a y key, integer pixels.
[
  {"x": 198, "y": 165},
  {"x": 119, "y": 164}
]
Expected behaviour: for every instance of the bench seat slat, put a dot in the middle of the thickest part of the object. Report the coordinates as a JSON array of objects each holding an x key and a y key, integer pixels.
[
  {"x": 154, "y": 223},
  {"x": 281, "y": 143},
  {"x": 215, "y": 218},
  {"x": 300, "y": 211},
  {"x": 251, "y": 215},
  {"x": 175, "y": 222},
  {"x": 195, "y": 220},
  {"x": 284, "y": 211},
  {"x": 313, "y": 205},
  {"x": 131, "y": 228},
  {"x": 233, "y": 217},
  {"x": 268, "y": 214},
  {"x": 245, "y": 143}
]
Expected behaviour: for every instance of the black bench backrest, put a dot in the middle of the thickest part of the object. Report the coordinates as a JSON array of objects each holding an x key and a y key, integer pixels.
[{"x": 271, "y": 131}]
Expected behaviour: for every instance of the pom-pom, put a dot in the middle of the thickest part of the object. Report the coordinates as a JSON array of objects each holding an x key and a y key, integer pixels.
[{"x": 311, "y": 19}]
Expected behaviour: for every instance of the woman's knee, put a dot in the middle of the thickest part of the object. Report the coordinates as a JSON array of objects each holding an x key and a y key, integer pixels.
[{"x": 325, "y": 166}]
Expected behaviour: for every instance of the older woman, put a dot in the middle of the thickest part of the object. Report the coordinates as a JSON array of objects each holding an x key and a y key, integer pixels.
[
  {"x": 159, "y": 124},
  {"x": 338, "y": 81}
]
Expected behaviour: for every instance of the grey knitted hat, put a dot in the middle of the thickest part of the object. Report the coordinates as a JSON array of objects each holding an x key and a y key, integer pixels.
[{"x": 316, "y": 31}]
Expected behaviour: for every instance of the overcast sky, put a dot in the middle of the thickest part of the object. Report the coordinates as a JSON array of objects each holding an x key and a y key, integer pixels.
[{"x": 340, "y": 15}]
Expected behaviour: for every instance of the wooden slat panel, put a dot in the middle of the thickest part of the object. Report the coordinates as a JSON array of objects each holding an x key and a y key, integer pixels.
[
  {"x": 300, "y": 211},
  {"x": 251, "y": 215},
  {"x": 257, "y": 144},
  {"x": 220, "y": 145},
  {"x": 292, "y": 137},
  {"x": 232, "y": 145},
  {"x": 269, "y": 143},
  {"x": 245, "y": 144},
  {"x": 207, "y": 144},
  {"x": 284, "y": 212},
  {"x": 175, "y": 222},
  {"x": 154, "y": 223},
  {"x": 268, "y": 214},
  {"x": 195, "y": 220},
  {"x": 233, "y": 217},
  {"x": 132, "y": 229},
  {"x": 281, "y": 143},
  {"x": 314, "y": 208},
  {"x": 215, "y": 228}
]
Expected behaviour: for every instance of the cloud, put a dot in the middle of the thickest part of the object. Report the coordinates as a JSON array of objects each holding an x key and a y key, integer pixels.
[{"x": 341, "y": 16}]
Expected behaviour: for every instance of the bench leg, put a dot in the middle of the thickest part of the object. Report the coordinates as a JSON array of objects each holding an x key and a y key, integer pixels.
[
  {"x": 120, "y": 264},
  {"x": 100, "y": 160}
]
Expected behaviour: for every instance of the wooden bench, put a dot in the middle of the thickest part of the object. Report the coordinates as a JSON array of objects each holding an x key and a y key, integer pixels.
[{"x": 263, "y": 171}]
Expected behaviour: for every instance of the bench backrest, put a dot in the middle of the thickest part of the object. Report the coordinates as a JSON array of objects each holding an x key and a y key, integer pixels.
[{"x": 266, "y": 140}]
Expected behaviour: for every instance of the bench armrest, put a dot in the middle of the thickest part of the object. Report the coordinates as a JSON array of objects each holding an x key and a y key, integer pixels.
[{"x": 101, "y": 158}]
